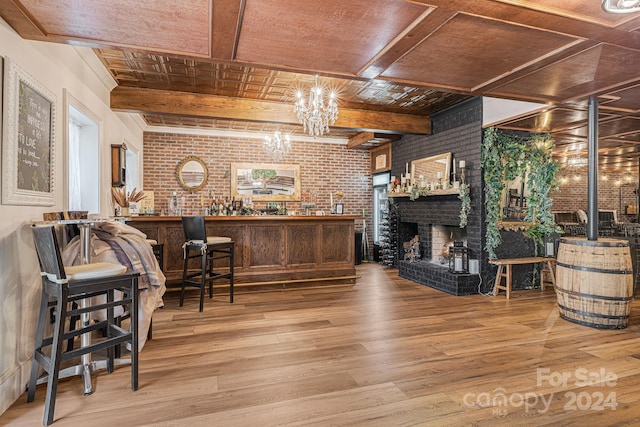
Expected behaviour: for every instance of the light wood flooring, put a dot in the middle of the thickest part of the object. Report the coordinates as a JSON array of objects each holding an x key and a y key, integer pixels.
[{"x": 382, "y": 352}]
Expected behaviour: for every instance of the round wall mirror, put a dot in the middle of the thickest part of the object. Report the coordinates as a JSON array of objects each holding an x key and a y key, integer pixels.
[{"x": 192, "y": 173}]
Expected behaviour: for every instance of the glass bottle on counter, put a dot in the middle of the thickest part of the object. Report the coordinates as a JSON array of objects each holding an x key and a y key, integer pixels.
[
  {"x": 173, "y": 204},
  {"x": 213, "y": 208}
]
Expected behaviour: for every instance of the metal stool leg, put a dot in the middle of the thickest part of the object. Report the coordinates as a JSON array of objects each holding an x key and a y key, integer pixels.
[
  {"x": 203, "y": 280},
  {"x": 184, "y": 275},
  {"x": 231, "y": 268}
]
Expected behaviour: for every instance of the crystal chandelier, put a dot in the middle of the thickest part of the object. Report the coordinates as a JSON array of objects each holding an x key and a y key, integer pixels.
[
  {"x": 278, "y": 145},
  {"x": 621, "y": 6},
  {"x": 314, "y": 115}
]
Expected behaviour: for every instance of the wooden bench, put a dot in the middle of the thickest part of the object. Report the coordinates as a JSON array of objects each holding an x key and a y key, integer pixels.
[{"x": 505, "y": 271}]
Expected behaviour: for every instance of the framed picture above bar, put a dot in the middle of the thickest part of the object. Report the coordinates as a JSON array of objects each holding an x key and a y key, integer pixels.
[
  {"x": 265, "y": 181},
  {"x": 28, "y": 147}
]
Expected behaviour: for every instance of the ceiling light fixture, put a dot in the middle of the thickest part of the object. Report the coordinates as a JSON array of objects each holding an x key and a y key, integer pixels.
[
  {"x": 621, "y": 6},
  {"x": 577, "y": 161},
  {"x": 314, "y": 115},
  {"x": 278, "y": 145}
]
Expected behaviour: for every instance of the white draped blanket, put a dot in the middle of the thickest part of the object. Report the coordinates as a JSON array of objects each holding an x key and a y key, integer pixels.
[{"x": 120, "y": 243}]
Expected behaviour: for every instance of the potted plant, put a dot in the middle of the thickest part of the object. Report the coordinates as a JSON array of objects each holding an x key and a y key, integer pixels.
[{"x": 124, "y": 199}]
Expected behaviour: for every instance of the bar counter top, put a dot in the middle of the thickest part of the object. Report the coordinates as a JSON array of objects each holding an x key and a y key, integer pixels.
[
  {"x": 269, "y": 249},
  {"x": 153, "y": 218}
]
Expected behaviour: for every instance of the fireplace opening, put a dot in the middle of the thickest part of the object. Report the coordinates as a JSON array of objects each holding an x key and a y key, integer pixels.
[
  {"x": 434, "y": 240},
  {"x": 406, "y": 232},
  {"x": 442, "y": 237}
]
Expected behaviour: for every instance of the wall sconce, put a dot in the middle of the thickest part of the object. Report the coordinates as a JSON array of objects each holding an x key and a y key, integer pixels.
[{"x": 458, "y": 258}]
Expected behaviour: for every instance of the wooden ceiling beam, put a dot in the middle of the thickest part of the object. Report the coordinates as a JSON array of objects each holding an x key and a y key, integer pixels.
[
  {"x": 360, "y": 139},
  {"x": 227, "y": 21},
  {"x": 152, "y": 101}
]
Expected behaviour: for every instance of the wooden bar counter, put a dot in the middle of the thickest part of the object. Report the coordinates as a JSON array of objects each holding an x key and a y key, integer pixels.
[{"x": 268, "y": 249}]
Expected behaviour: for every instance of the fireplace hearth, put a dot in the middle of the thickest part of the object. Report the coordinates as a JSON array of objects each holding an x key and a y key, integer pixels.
[
  {"x": 432, "y": 267},
  {"x": 439, "y": 277}
]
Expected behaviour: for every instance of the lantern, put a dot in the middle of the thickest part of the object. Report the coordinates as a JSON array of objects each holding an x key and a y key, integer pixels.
[{"x": 458, "y": 258}]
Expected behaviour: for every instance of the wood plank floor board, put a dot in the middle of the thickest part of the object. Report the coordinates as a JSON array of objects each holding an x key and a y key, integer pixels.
[{"x": 381, "y": 352}]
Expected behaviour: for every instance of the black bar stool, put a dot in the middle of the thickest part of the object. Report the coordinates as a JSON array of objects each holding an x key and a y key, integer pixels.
[
  {"x": 209, "y": 249},
  {"x": 66, "y": 285},
  {"x": 158, "y": 252}
]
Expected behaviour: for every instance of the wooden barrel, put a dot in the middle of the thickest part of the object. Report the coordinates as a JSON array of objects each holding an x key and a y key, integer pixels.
[{"x": 594, "y": 282}]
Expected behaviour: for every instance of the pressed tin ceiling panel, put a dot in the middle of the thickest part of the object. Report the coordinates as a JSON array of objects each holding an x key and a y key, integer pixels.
[
  {"x": 234, "y": 125},
  {"x": 168, "y": 73}
]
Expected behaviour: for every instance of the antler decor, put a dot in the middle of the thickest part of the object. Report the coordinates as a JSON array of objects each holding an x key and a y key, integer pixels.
[{"x": 123, "y": 199}]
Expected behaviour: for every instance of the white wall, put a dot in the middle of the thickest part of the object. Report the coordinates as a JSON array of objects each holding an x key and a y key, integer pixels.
[
  {"x": 55, "y": 67},
  {"x": 496, "y": 110}
]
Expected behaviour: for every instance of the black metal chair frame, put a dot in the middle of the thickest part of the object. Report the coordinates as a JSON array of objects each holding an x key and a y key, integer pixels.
[
  {"x": 158, "y": 252},
  {"x": 196, "y": 247},
  {"x": 64, "y": 292}
]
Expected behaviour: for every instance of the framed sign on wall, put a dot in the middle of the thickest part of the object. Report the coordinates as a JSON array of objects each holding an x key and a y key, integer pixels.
[
  {"x": 381, "y": 158},
  {"x": 28, "y": 148}
]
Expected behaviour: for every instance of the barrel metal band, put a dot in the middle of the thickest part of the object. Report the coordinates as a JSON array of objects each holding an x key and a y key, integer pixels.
[
  {"x": 596, "y": 243},
  {"x": 593, "y": 325},
  {"x": 600, "y": 297},
  {"x": 594, "y": 270},
  {"x": 590, "y": 314}
]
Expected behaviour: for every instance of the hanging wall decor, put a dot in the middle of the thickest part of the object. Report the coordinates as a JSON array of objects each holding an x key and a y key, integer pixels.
[{"x": 28, "y": 148}]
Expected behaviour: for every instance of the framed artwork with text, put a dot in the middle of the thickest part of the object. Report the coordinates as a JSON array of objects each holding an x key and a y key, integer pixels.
[{"x": 28, "y": 146}]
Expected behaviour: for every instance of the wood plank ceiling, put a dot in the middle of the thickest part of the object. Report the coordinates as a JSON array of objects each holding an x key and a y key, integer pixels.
[{"x": 235, "y": 64}]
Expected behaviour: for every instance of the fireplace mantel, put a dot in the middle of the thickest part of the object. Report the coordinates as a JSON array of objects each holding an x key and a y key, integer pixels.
[{"x": 447, "y": 192}]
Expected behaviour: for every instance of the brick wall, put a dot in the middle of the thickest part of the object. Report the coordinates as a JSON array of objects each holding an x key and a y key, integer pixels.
[
  {"x": 458, "y": 131},
  {"x": 615, "y": 191},
  {"x": 324, "y": 169}
]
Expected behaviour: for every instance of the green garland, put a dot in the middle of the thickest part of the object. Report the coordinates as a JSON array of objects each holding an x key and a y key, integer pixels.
[
  {"x": 465, "y": 207},
  {"x": 505, "y": 158},
  {"x": 416, "y": 192}
]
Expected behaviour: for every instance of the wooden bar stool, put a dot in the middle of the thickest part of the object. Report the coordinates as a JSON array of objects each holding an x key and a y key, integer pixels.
[
  {"x": 65, "y": 285},
  {"x": 208, "y": 249}
]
